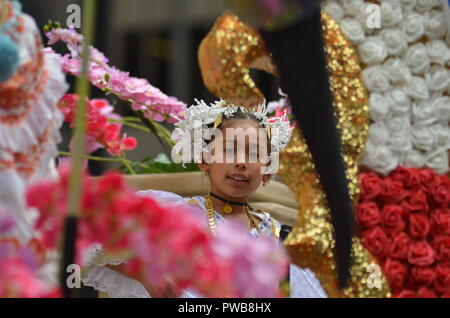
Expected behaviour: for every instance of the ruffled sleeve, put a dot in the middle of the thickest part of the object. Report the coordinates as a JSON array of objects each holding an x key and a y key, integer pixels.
[{"x": 104, "y": 279}]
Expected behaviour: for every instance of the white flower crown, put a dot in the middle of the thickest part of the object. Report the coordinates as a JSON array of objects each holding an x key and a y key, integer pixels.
[{"x": 200, "y": 116}]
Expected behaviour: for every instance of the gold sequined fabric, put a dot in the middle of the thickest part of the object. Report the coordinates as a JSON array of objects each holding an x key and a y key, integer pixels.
[
  {"x": 225, "y": 57},
  {"x": 311, "y": 242}
]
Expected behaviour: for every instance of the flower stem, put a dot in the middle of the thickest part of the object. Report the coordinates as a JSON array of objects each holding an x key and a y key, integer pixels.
[
  {"x": 82, "y": 89},
  {"x": 126, "y": 164},
  {"x": 68, "y": 154}
]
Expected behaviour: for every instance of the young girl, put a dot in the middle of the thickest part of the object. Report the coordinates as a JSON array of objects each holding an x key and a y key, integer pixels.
[{"x": 235, "y": 159}]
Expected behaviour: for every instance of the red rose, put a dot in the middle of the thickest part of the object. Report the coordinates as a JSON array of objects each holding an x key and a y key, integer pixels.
[
  {"x": 420, "y": 253},
  {"x": 426, "y": 293},
  {"x": 406, "y": 294},
  {"x": 409, "y": 176},
  {"x": 416, "y": 202},
  {"x": 370, "y": 184},
  {"x": 441, "y": 191},
  {"x": 396, "y": 273},
  {"x": 446, "y": 294},
  {"x": 392, "y": 218},
  {"x": 392, "y": 190},
  {"x": 399, "y": 246},
  {"x": 442, "y": 281},
  {"x": 376, "y": 241},
  {"x": 422, "y": 276},
  {"x": 427, "y": 179},
  {"x": 419, "y": 225},
  {"x": 442, "y": 247},
  {"x": 441, "y": 220},
  {"x": 367, "y": 214}
]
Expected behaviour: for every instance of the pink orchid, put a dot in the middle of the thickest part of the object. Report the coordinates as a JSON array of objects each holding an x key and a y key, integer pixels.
[{"x": 143, "y": 96}]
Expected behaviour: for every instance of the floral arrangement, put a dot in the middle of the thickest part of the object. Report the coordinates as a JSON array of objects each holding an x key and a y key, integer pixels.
[
  {"x": 404, "y": 221},
  {"x": 166, "y": 244},
  {"x": 406, "y": 70}
]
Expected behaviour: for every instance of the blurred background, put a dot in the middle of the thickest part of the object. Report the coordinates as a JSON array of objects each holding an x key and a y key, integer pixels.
[{"x": 152, "y": 39}]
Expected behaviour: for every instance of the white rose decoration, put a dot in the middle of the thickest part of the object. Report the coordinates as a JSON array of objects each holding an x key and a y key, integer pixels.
[
  {"x": 423, "y": 137},
  {"x": 378, "y": 107},
  {"x": 375, "y": 78},
  {"x": 353, "y": 30},
  {"x": 378, "y": 134},
  {"x": 408, "y": 4},
  {"x": 352, "y": 7},
  {"x": 424, "y": 113},
  {"x": 437, "y": 51},
  {"x": 399, "y": 101},
  {"x": 401, "y": 142},
  {"x": 441, "y": 135},
  {"x": 438, "y": 161},
  {"x": 399, "y": 125},
  {"x": 334, "y": 9},
  {"x": 395, "y": 41},
  {"x": 391, "y": 13},
  {"x": 441, "y": 107},
  {"x": 417, "y": 58},
  {"x": 379, "y": 158},
  {"x": 436, "y": 25},
  {"x": 437, "y": 78},
  {"x": 372, "y": 50},
  {"x": 412, "y": 158},
  {"x": 397, "y": 71},
  {"x": 425, "y": 5},
  {"x": 413, "y": 25},
  {"x": 418, "y": 88}
]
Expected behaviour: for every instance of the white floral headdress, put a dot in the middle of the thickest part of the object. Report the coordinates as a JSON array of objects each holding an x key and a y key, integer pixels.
[{"x": 201, "y": 116}]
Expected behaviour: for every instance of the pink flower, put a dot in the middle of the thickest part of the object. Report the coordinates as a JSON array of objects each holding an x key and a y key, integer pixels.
[{"x": 69, "y": 36}]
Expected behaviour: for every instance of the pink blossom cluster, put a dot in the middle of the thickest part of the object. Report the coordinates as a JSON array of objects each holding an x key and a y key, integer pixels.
[
  {"x": 167, "y": 243},
  {"x": 100, "y": 132},
  {"x": 19, "y": 265},
  {"x": 143, "y": 96}
]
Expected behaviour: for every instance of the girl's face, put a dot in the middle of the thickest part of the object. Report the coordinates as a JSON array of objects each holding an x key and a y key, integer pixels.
[{"x": 238, "y": 177}]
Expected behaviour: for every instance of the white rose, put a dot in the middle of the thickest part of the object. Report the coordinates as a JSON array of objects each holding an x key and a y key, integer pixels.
[
  {"x": 437, "y": 78},
  {"x": 436, "y": 25},
  {"x": 423, "y": 137},
  {"x": 353, "y": 30},
  {"x": 378, "y": 107},
  {"x": 413, "y": 25},
  {"x": 378, "y": 134},
  {"x": 438, "y": 161},
  {"x": 418, "y": 88},
  {"x": 412, "y": 158},
  {"x": 352, "y": 7},
  {"x": 441, "y": 107},
  {"x": 334, "y": 9},
  {"x": 425, "y": 5},
  {"x": 375, "y": 78},
  {"x": 395, "y": 41},
  {"x": 408, "y": 4},
  {"x": 379, "y": 158},
  {"x": 372, "y": 50},
  {"x": 423, "y": 113},
  {"x": 417, "y": 58},
  {"x": 397, "y": 70},
  {"x": 441, "y": 134},
  {"x": 400, "y": 124},
  {"x": 391, "y": 13},
  {"x": 401, "y": 142},
  {"x": 438, "y": 52},
  {"x": 399, "y": 101},
  {"x": 366, "y": 18}
]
